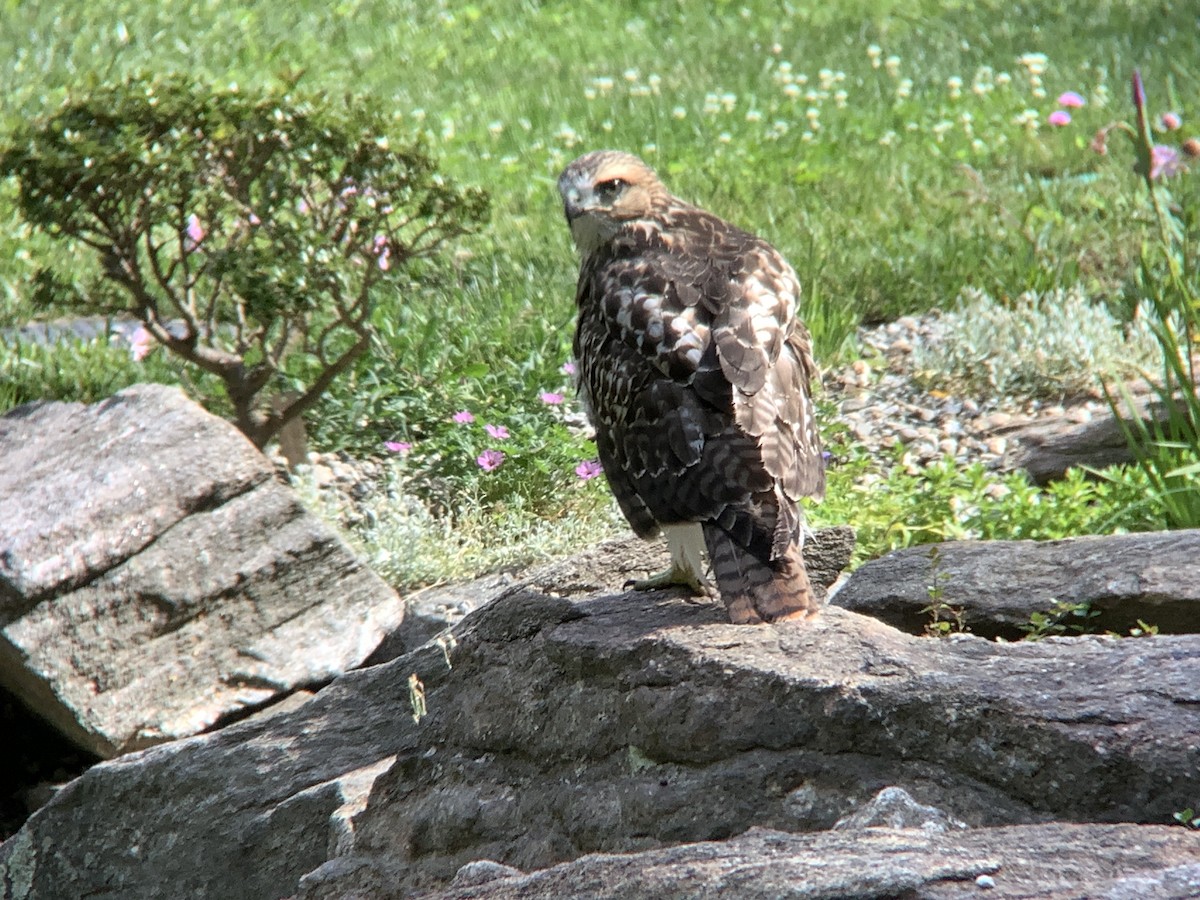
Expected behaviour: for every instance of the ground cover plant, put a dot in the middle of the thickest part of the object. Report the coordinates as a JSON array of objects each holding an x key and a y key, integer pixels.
[{"x": 898, "y": 154}]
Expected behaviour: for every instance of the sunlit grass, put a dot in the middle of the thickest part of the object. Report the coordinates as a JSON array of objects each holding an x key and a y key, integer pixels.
[{"x": 840, "y": 133}]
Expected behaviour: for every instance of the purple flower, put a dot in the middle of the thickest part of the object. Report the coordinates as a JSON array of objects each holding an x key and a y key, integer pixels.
[
  {"x": 141, "y": 342},
  {"x": 1059, "y": 117},
  {"x": 1171, "y": 121},
  {"x": 1165, "y": 161},
  {"x": 401, "y": 447},
  {"x": 550, "y": 398},
  {"x": 1071, "y": 99},
  {"x": 499, "y": 432},
  {"x": 489, "y": 460},
  {"x": 568, "y": 368},
  {"x": 194, "y": 233},
  {"x": 463, "y": 417},
  {"x": 588, "y": 469}
]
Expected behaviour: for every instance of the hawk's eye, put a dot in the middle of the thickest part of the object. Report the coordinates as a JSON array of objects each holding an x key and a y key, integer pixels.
[{"x": 610, "y": 190}]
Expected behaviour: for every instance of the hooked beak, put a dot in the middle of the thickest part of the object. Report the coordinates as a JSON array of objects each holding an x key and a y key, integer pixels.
[{"x": 572, "y": 204}]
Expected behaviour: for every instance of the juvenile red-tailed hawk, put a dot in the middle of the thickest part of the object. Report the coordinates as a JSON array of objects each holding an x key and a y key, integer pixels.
[{"x": 695, "y": 372}]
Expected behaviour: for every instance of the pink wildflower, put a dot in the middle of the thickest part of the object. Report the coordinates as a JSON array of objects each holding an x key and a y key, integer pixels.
[
  {"x": 382, "y": 251},
  {"x": 141, "y": 342},
  {"x": 463, "y": 417},
  {"x": 499, "y": 432},
  {"x": 1059, "y": 117},
  {"x": 568, "y": 368},
  {"x": 1071, "y": 100},
  {"x": 588, "y": 469},
  {"x": 550, "y": 398},
  {"x": 194, "y": 233},
  {"x": 489, "y": 460},
  {"x": 401, "y": 447},
  {"x": 1171, "y": 121},
  {"x": 1165, "y": 162}
]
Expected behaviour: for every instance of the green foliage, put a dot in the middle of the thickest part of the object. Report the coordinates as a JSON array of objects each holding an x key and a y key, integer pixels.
[
  {"x": 1187, "y": 818},
  {"x": 1042, "y": 344},
  {"x": 410, "y": 543},
  {"x": 874, "y": 206},
  {"x": 1062, "y": 618},
  {"x": 86, "y": 371},
  {"x": 1143, "y": 629},
  {"x": 243, "y": 229},
  {"x": 945, "y": 501},
  {"x": 944, "y": 619},
  {"x": 1168, "y": 453}
]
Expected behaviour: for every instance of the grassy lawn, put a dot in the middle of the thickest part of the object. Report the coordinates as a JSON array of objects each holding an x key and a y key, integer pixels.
[{"x": 896, "y": 152}]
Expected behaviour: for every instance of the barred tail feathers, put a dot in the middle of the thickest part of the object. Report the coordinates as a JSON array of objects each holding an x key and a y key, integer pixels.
[{"x": 755, "y": 591}]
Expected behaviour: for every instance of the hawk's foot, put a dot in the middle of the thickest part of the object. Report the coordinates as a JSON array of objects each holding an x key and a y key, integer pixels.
[
  {"x": 688, "y": 567},
  {"x": 674, "y": 576}
]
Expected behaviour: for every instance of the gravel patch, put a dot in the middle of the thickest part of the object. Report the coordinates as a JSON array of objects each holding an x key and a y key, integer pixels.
[{"x": 890, "y": 415}]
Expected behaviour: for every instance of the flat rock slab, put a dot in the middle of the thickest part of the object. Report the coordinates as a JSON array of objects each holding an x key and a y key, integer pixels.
[
  {"x": 607, "y": 567},
  {"x": 998, "y": 585},
  {"x": 1047, "y": 448},
  {"x": 154, "y": 577},
  {"x": 556, "y": 727},
  {"x": 1021, "y": 861}
]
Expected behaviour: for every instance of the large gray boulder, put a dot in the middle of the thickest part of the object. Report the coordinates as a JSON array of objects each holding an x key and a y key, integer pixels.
[
  {"x": 1019, "y": 861},
  {"x": 557, "y": 726},
  {"x": 994, "y": 587},
  {"x": 155, "y": 577}
]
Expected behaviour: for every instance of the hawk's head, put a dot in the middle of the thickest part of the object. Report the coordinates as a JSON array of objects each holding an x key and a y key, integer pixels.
[{"x": 604, "y": 189}]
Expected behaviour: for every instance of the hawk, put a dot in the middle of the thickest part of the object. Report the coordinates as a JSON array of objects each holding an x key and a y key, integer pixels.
[{"x": 695, "y": 373}]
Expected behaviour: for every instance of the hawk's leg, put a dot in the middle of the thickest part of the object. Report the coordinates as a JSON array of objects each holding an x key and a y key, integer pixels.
[{"x": 688, "y": 567}]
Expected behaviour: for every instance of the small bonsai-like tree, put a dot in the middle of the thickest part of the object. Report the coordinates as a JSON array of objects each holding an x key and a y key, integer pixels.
[{"x": 240, "y": 228}]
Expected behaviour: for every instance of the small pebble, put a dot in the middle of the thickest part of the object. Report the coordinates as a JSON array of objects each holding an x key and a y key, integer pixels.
[{"x": 985, "y": 881}]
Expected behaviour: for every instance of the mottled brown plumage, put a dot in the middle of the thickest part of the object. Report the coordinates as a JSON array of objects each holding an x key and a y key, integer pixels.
[{"x": 695, "y": 372}]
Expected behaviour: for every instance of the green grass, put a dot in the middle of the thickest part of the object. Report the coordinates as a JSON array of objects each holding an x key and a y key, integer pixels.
[
  {"x": 502, "y": 89},
  {"x": 904, "y": 195}
]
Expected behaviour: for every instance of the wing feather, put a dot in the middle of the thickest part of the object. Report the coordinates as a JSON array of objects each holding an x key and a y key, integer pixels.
[{"x": 703, "y": 375}]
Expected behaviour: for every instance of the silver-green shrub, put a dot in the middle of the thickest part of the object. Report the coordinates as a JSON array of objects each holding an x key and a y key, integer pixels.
[{"x": 1041, "y": 345}]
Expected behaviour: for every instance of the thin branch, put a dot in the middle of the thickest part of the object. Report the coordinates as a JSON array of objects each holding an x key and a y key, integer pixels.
[
  {"x": 164, "y": 284},
  {"x": 321, "y": 383}
]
